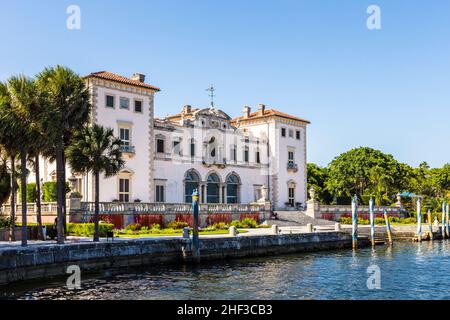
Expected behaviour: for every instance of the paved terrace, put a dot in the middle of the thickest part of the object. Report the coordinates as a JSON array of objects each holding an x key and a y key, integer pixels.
[{"x": 249, "y": 233}]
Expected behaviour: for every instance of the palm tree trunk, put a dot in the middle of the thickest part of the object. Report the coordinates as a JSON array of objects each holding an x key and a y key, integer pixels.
[
  {"x": 97, "y": 207},
  {"x": 23, "y": 183},
  {"x": 65, "y": 194},
  {"x": 13, "y": 198},
  {"x": 38, "y": 199},
  {"x": 60, "y": 186}
]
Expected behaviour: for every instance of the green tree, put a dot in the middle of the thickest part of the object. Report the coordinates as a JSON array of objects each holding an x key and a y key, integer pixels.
[
  {"x": 96, "y": 150},
  {"x": 317, "y": 177},
  {"x": 67, "y": 101},
  {"x": 358, "y": 172}
]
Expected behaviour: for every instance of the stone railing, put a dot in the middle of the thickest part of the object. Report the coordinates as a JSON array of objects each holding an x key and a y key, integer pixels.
[
  {"x": 335, "y": 212},
  {"x": 343, "y": 209},
  {"x": 166, "y": 208},
  {"x": 46, "y": 208},
  {"x": 48, "y": 211}
]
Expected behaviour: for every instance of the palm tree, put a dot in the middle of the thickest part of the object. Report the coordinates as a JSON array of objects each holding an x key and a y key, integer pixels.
[
  {"x": 67, "y": 101},
  {"x": 24, "y": 119},
  {"x": 11, "y": 146},
  {"x": 96, "y": 150}
]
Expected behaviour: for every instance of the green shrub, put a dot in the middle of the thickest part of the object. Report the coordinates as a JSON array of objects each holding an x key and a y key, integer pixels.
[
  {"x": 50, "y": 194},
  {"x": 31, "y": 192},
  {"x": 87, "y": 229},
  {"x": 5, "y": 222},
  {"x": 177, "y": 225},
  {"x": 219, "y": 226},
  {"x": 50, "y": 191},
  {"x": 246, "y": 223},
  {"x": 133, "y": 227},
  {"x": 156, "y": 227}
]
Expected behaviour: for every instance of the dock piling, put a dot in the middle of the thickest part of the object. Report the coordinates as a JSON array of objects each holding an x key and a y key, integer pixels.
[{"x": 355, "y": 222}]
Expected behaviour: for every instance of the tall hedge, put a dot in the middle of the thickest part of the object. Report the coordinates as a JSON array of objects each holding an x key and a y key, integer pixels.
[
  {"x": 31, "y": 192},
  {"x": 50, "y": 194}
]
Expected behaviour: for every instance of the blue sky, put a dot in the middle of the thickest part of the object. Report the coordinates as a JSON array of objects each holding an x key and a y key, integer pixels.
[{"x": 388, "y": 89}]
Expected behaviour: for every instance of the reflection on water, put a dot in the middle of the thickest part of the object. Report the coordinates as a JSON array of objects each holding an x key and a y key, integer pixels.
[{"x": 408, "y": 271}]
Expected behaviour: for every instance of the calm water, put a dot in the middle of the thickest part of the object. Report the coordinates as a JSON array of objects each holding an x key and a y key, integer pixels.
[{"x": 408, "y": 271}]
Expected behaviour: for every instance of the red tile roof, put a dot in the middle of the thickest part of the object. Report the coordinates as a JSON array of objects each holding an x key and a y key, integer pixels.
[
  {"x": 115, "y": 77},
  {"x": 269, "y": 113}
]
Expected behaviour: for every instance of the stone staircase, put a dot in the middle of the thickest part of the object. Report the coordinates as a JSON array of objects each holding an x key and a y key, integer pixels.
[{"x": 296, "y": 218}]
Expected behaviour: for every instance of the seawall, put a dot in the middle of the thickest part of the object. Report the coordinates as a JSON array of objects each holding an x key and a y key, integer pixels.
[{"x": 47, "y": 261}]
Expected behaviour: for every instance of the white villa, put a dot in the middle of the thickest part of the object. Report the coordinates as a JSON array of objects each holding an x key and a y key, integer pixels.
[{"x": 261, "y": 154}]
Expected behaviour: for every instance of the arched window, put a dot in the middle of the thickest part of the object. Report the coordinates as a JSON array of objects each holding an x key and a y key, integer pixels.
[
  {"x": 233, "y": 183},
  {"x": 191, "y": 182},
  {"x": 212, "y": 189}
]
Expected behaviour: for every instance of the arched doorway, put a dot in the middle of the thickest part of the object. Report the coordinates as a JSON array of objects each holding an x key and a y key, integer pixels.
[
  {"x": 191, "y": 182},
  {"x": 233, "y": 183},
  {"x": 213, "y": 188}
]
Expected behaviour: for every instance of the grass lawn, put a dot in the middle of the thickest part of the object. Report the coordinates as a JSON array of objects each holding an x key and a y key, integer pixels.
[{"x": 172, "y": 234}]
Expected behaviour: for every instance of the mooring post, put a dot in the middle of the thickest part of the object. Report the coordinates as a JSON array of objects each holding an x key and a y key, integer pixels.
[
  {"x": 388, "y": 226},
  {"x": 355, "y": 222},
  {"x": 430, "y": 226},
  {"x": 446, "y": 221},
  {"x": 372, "y": 221},
  {"x": 419, "y": 219},
  {"x": 195, "y": 238}
]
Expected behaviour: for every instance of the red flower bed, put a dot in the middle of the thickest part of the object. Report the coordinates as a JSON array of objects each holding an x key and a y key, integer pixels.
[
  {"x": 188, "y": 218},
  {"x": 149, "y": 220},
  {"x": 217, "y": 218},
  {"x": 328, "y": 216},
  {"x": 115, "y": 219},
  {"x": 254, "y": 216}
]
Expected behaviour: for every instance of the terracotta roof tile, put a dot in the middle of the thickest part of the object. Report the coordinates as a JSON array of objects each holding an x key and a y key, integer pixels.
[
  {"x": 115, "y": 77},
  {"x": 269, "y": 113}
]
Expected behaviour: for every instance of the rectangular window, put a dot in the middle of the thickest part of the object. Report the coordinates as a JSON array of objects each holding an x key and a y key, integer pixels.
[
  {"x": 233, "y": 154},
  {"x": 110, "y": 101},
  {"x": 297, "y": 135},
  {"x": 124, "y": 190},
  {"x": 160, "y": 196},
  {"x": 246, "y": 155},
  {"x": 138, "y": 106},
  {"x": 160, "y": 146},
  {"x": 177, "y": 148},
  {"x": 125, "y": 136},
  {"x": 291, "y": 157},
  {"x": 283, "y": 132},
  {"x": 291, "y": 198},
  {"x": 124, "y": 103},
  {"x": 291, "y": 133},
  {"x": 258, "y": 159},
  {"x": 192, "y": 149}
]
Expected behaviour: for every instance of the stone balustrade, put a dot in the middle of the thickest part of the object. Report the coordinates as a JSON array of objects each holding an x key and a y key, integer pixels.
[{"x": 166, "y": 208}]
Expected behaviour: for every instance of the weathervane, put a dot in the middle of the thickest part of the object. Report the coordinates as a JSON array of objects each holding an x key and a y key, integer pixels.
[{"x": 211, "y": 95}]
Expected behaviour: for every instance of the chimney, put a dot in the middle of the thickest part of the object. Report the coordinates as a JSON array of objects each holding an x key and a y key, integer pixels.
[
  {"x": 261, "y": 109},
  {"x": 138, "y": 77},
  {"x": 246, "y": 111},
  {"x": 187, "y": 109}
]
